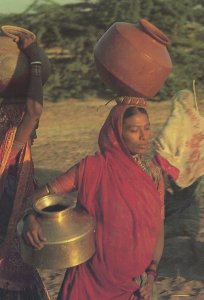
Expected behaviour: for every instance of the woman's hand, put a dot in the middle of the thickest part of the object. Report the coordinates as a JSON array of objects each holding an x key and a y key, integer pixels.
[
  {"x": 32, "y": 232},
  {"x": 146, "y": 291},
  {"x": 23, "y": 40},
  {"x": 28, "y": 45}
]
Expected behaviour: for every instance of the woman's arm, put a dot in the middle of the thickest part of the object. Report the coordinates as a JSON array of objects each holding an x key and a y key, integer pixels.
[
  {"x": 34, "y": 103},
  {"x": 158, "y": 248},
  {"x": 147, "y": 290},
  {"x": 32, "y": 232},
  {"x": 63, "y": 184}
]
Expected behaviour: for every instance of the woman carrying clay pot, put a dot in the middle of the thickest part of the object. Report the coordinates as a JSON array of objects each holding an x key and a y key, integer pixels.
[
  {"x": 122, "y": 187},
  {"x": 17, "y": 129}
]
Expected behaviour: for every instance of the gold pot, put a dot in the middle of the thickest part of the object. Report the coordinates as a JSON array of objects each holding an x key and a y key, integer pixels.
[{"x": 69, "y": 233}]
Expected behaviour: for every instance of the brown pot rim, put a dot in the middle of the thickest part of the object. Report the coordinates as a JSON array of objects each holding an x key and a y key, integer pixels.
[
  {"x": 155, "y": 32},
  {"x": 10, "y": 31}
]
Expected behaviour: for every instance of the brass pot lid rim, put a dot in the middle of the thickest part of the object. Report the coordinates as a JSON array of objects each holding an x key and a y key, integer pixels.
[{"x": 46, "y": 201}]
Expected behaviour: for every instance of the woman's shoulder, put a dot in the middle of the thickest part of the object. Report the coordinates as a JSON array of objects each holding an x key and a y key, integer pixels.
[
  {"x": 93, "y": 160},
  {"x": 90, "y": 168}
]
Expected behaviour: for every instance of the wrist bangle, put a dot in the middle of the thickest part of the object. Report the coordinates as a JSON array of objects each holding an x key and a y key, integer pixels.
[
  {"x": 153, "y": 275},
  {"x": 152, "y": 272},
  {"x": 28, "y": 212},
  {"x": 36, "y": 62},
  {"x": 47, "y": 189}
]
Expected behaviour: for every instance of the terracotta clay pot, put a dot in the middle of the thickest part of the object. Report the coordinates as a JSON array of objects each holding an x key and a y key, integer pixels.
[
  {"x": 14, "y": 65},
  {"x": 133, "y": 59}
]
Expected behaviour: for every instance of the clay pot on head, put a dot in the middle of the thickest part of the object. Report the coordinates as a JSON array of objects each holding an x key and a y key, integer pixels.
[
  {"x": 133, "y": 59},
  {"x": 14, "y": 65}
]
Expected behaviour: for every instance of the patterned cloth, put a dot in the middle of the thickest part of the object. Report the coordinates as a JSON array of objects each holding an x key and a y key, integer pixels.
[
  {"x": 17, "y": 279},
  {"x": 181, "y": 142}
]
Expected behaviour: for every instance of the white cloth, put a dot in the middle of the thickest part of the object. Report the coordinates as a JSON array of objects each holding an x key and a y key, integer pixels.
[{"x": 181, "y": 140}]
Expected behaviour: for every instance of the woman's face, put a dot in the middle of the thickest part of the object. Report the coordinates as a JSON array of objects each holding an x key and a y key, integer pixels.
[{"x": 137, "y": 133}]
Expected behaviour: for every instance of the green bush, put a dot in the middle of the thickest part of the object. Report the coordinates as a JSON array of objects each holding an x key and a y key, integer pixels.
[{"x": 71, "y": 32}]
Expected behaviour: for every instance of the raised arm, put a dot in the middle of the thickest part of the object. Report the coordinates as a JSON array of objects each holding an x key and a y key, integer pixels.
[{"x": 34, "y": 102}]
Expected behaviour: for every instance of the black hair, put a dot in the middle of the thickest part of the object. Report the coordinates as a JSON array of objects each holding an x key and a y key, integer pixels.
[{"x": 133, "y": 110}]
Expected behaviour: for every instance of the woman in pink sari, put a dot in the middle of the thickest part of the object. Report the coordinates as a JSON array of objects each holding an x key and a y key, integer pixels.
[
  {"x": 123, "y": 189},
  {"x": 18, "y": 281}
]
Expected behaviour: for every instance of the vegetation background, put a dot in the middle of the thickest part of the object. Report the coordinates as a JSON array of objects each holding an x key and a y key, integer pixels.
[{"x": 69, "y": 33}]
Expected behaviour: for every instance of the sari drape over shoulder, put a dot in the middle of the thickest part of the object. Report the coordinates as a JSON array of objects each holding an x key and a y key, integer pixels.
[
  {"x": 127, "y": 208},
  {"x": 16, "y": 184}
]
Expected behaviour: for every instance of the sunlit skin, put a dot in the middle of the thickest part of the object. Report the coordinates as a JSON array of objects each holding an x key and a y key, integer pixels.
[{"x": 137, "y": 133}]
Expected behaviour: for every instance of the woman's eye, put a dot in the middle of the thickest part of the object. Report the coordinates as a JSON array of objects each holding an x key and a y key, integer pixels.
[{"x": 133, "y": 129}]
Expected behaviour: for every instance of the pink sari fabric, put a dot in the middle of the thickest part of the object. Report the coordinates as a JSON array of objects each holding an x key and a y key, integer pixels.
[
  {"x": 127, "y": 209},
  {"x": 16, "y": 184}
]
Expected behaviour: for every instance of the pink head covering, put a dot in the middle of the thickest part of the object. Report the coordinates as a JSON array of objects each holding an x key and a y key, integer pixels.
[{"x": 125, "y": 203}]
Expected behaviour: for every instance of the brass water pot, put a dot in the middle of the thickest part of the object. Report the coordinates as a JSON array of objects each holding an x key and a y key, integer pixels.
[{"x": 69, "y": 233}]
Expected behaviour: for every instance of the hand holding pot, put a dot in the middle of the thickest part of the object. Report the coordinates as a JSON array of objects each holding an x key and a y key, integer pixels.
[
  {"x": 23, "y": 40},
  {"x": 32, "y": 232},
  {"x": 28, "y": 45}
]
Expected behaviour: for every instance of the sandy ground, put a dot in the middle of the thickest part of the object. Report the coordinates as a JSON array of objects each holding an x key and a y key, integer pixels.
[{"x": 68, "y": 131}]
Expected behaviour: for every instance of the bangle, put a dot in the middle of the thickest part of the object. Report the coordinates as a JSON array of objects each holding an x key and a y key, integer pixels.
[
  {"x": 36, "y": 70},
  {"x": 36, "y": 62},
  {"x": 47, "y": 189},
  {"x": 28, "y": 212},
  {"x": 152, "y": 272}
]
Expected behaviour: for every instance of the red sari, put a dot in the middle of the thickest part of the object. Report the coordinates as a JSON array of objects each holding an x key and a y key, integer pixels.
[
  {"x": 18, "y": 281},
  {"x": 127, "y": 208}
]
